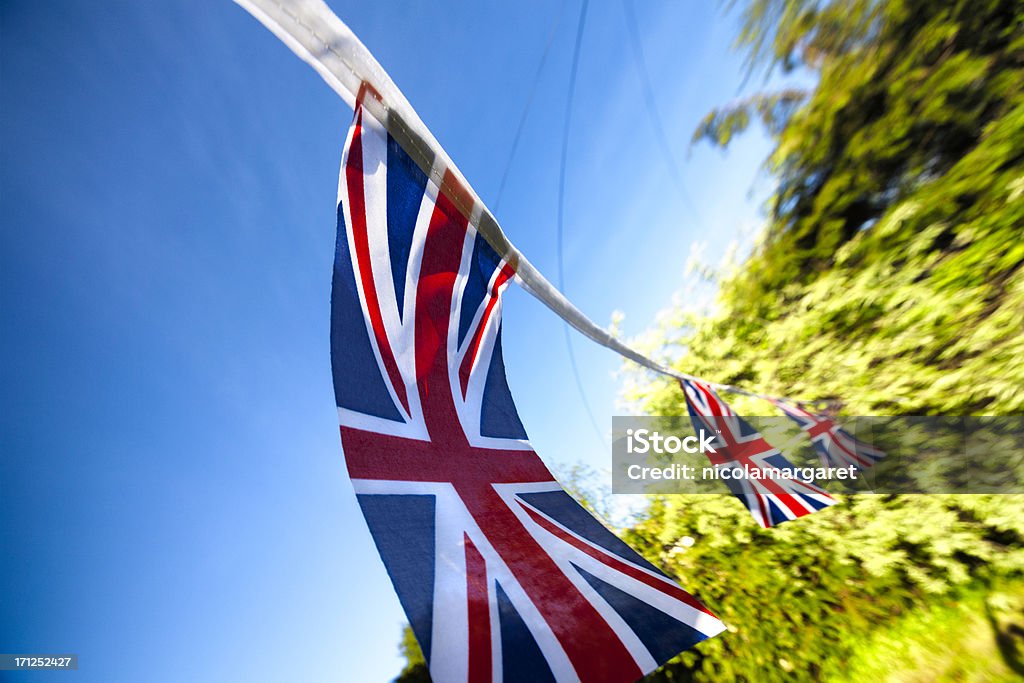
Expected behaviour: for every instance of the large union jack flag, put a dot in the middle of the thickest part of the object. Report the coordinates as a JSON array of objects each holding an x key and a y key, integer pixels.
[
  {"x": 740, "y": 446},
  {"x": 502, "y": 574},
  {"x": 836, "y": 446}
]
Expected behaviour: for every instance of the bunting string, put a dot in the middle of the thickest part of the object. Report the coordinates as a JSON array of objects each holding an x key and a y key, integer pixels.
[{"x": 321, "y": 39}]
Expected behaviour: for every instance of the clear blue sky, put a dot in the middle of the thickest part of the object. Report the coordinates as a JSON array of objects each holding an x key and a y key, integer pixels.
[{"x": 173, "y": 504}]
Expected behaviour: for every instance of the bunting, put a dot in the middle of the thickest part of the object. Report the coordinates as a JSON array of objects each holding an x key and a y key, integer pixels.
[
  {"x": 503, "y": 575},
  {"x": 740, "y": 447},
  {"x": 836, "y": 446}
]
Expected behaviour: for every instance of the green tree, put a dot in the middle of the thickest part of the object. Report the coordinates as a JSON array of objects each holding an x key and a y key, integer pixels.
[
  {"x": 888, "y": 276},
  {"x": 889, "y": 270},
  {"x": 415, "y": 670}
]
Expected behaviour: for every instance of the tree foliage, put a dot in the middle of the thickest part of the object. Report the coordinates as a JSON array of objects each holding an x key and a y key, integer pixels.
[
  {"x": 889, "y": 270},
  {"x": 888, "y": 276},
  {"x": 803, "y": 599}
]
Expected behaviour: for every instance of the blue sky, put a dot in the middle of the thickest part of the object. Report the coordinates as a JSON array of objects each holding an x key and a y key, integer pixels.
[{"x": 173, "y": 502}]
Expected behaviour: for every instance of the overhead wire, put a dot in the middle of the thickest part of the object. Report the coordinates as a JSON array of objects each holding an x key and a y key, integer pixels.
[
  {"x": 529, "y": 102},
  {"x": 560, "y": 230},
  {"x": 314, "y": 33},
  {"x": 652, "y": 107}
]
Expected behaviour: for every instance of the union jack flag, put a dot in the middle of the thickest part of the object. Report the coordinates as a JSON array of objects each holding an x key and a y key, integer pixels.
[
  {"x": 836, "y": 446},
  {"x": 502, "y": 574},
  {"x": 738, "y": 445}
]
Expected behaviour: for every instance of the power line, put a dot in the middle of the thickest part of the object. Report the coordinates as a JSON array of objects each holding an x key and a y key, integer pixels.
[
  {"x": 561, "y": 211},
  {"x": 529, "y": 103},
  {"x": 651, "y": 106}
]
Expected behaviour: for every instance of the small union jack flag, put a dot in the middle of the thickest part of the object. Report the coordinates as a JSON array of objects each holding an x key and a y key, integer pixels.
[
  {"x": 836, "y": 446},
  {"x": 740, "y": 446},
  {"x": 502, "y": 574}
]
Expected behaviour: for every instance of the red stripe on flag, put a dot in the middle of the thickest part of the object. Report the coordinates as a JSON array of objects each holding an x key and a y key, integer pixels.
[
  {"x": 439, "y": 270},
  {"x": 619, "y": 565},
  {"x": 467, "y": 362},
  {"x": 357, "y": 208},
  {"x": 837, "y": 440},
  {"x": 479, "y": 615}
]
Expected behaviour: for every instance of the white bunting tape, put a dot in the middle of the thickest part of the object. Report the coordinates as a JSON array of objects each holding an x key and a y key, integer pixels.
[{"x": 321, "y": 39}]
